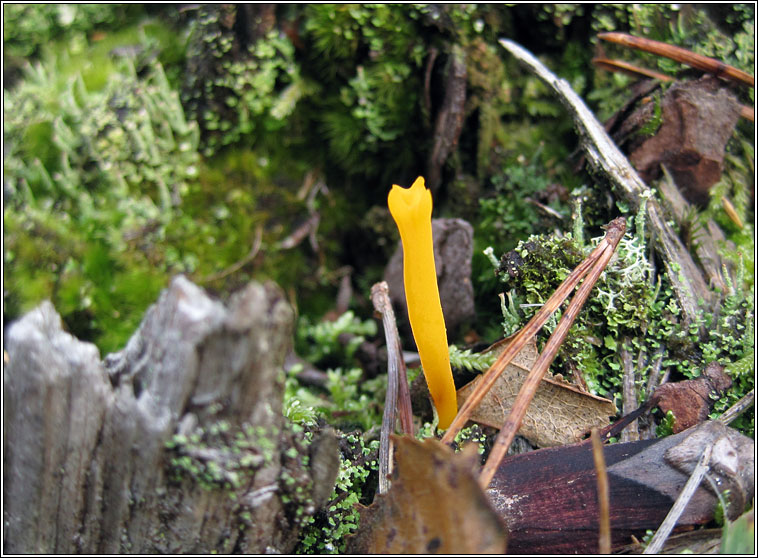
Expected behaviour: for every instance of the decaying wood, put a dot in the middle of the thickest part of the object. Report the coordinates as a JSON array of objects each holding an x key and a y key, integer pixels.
[
  {"x": 449, "y": 121},
  {"x": 644, "y": 477},
  {"x": 157, "y": 448},
  {"x": 605, "y": 157},
  {"x": 697, "y": 119}
]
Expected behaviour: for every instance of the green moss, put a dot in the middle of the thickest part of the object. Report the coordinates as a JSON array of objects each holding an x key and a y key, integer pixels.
[
  {"x": 626, "y": 307},
  {"x": 325, "y": 533},
  {"x": 218, "y": 457},
  {"x": 95, "y": 173}
]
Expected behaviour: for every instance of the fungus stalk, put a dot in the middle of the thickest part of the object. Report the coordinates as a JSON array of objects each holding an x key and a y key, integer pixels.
[{"x": 412, "y": 210}]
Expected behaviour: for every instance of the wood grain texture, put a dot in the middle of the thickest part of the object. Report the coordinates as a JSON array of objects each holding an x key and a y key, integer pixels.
[{"x": 88, "y": 467}]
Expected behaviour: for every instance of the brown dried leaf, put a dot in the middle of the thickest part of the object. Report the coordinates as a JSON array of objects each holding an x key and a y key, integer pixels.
[
  {"x": 559, "y": 414},
  {"x": 435, "y": 506},
  {"x": 690, "y": 400}
]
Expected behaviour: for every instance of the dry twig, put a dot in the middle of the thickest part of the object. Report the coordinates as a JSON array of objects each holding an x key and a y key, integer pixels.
[
  {"x": 629, "y": 69},
  {"x": 681, "y": 502},
  {"x": 748, "y": 113},
  {"x": 397, "y": 384},
  {"x": 709, "y": 65},
  {"x": 603, "y": 494},
  {"x": 236, "y": 266},
  {"x": 603, "y": 155},
  {"x": 738, "y": 408},
  {"x": 526, "y": 333}
]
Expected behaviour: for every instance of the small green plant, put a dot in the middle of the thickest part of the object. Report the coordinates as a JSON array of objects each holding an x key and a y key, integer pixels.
[
  {"x": 666, "y": 426},
  {"x": 509, "y": 216},
  {"x": 319, "y": 342},
  {"x": 470, "y": 361},
  {"x": 350, "y": 400},
  {"x": 325, "y": 533}
]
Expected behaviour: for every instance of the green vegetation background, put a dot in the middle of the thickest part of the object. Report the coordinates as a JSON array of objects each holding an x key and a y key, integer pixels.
[{"x": 144, "y": 141}]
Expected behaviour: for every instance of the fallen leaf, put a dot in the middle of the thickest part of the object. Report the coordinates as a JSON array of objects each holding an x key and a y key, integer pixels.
[
  {"x": 559, "y": 414},
  {"x": 435, "y": 506},
  {"x": 690, "y": 400}
]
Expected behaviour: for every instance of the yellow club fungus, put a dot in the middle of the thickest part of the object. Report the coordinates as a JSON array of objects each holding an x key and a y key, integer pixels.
[{"x": 412, "y": 210}]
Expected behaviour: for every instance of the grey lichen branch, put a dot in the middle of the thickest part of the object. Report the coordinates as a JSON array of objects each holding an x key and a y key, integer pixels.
[{"x": 604, "y": 156}]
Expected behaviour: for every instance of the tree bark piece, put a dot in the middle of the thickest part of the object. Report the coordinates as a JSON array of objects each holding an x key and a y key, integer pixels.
[
  {"x": 604, "y": 156},
  {"x": 698, "y": 118},
  {"x": 644, "y": 477},
  {"x": 174, "y": 444},
  {"x": 449, "y": 121}
]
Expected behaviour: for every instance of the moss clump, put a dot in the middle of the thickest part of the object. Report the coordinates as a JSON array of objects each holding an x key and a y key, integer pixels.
[
  {"x": 627, "y": 308},
  {"x": 366, "y": 60},
  {"x": 28, "y": 29},
  {"x": 93, "y": 175},
  {"x": 238, "y": 87},
  {"x": 219, "y": 456}
]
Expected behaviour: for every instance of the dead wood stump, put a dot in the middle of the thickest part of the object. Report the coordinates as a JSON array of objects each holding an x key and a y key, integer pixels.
[{"x": 176, "y": 444}]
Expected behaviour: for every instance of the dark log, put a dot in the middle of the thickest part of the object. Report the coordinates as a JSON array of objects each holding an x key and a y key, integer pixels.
[
  {"x": 548, "y": 497},
  {"x": 176, "y": 444}
]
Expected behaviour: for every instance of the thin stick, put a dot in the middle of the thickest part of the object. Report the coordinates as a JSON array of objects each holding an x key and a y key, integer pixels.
[
  {"x": 629, "y": 69},
  {"x": 397, "y": 377},
  {"x": 629, "y": 391},
  {"x": 602, "y": 154},
  {"x": 656, "y": 544},
  {"x": 523, "y": 336},
  {"x": 614, "y": 233},
  {"x": 738, "y": 408},
  {"x": 635, "y": 71},
  {"x": 380, "y": 299},
  {"x": 603, "y": 495},
  {"x": 710, "y": 65}
]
